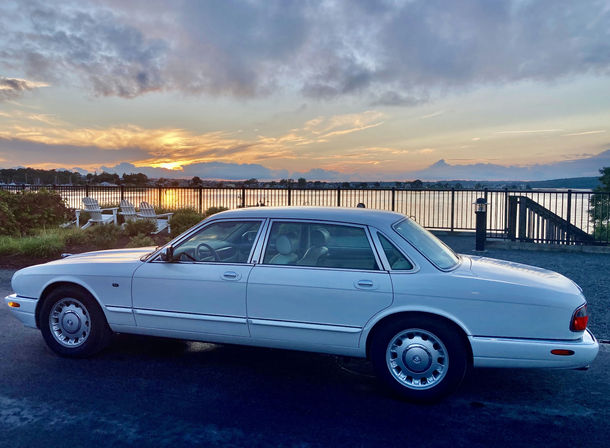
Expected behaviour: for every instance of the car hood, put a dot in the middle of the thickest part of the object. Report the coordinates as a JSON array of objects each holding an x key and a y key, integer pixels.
[
  {"x": 85, "y": 269},
  {"x": 105, "y": 256},
  {"x": 520, "y": 274}
]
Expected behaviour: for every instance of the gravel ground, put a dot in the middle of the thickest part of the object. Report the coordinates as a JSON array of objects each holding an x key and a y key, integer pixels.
[{"x": 590, "y": 271}]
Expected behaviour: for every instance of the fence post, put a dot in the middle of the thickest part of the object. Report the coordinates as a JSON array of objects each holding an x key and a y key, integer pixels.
[
  {"x": 522, "y": 218},
  {"x": 393, "y": 198},
  {"x": 243, "y": 197},
  {"x": 339, "y": 196},
  {"x": 511, "y": 225},
  {"x": 569, "y": 216},
  {"x": 289, "y": 195},
  {"x": 159, "y": 195},
  {"x": 506, "y": 209},
  {"x": 122, "y": 192},
  {"x": 87, "y": 190},
  {"x": 200, "y": 199},
  {"x": 452, "y": 209}
]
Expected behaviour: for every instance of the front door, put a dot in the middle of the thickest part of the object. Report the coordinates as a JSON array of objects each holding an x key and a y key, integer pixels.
[
  {"x": 203, "y": 289},
  {"x": 317, "y": 285}
]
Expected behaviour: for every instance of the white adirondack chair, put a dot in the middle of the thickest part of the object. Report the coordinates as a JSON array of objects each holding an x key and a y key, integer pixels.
[
  {"x": 147, "y": 211},
  {"x": 97, "y": 216},
  {"x": 128, "y": 210}
]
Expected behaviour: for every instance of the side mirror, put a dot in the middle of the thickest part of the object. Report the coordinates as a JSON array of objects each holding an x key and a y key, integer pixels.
[{"x": 168, "y": 254}]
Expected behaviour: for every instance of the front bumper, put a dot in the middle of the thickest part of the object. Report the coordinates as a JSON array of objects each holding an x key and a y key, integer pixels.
[
  {"x": 503, "y": 352},
  {"x": 26, "y": 312}
]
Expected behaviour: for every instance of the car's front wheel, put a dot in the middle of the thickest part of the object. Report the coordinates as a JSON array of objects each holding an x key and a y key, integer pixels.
[
  {"x": 421, "y": 358},
  {"x": 72, "y": 323}
]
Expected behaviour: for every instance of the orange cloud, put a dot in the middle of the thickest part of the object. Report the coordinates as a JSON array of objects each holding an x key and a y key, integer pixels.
[{"x": 174, "y": 148}]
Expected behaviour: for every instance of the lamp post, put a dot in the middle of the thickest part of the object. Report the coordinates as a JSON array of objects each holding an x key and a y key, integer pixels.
[{"x": 480, "y": 210}]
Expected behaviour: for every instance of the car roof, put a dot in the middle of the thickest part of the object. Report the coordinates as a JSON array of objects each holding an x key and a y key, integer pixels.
[{"x": 349, "y": 215}]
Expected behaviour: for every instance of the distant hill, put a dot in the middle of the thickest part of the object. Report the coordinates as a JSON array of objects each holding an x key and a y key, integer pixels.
[
  {"x": 587, "y": 166},
  {"x": 573, "y": 182}
]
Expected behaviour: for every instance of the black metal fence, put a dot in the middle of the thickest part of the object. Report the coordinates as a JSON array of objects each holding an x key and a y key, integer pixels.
[{"x": 565, "y": 217}]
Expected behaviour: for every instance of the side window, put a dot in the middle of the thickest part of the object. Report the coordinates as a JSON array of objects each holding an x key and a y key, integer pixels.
[
  {"x": 319, "y": 245},
  {"x": 223, "y": 241},
  {"x": 397, "y": 260}
]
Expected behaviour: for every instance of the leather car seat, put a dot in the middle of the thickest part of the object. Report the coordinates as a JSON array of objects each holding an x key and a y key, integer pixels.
[
  {"x": 286, "y": 253},
  {"x": 317, "y": 250}
]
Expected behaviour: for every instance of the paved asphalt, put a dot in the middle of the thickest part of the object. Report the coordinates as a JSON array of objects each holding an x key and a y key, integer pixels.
[{"x": 154, "y": 392}]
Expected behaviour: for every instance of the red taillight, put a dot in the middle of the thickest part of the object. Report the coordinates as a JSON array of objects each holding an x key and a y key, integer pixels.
[
  {"x": 562, "y": 352},
  {"x": 580, "y": 318}
]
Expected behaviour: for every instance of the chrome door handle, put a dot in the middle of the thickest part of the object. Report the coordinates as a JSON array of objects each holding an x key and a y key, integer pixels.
[
  {"x": 231, "y": 275},
  {"x": 365, "y": 283}
]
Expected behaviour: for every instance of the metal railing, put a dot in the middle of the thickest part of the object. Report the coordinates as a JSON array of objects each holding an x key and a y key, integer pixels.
[{"x": 437, "y": 209}]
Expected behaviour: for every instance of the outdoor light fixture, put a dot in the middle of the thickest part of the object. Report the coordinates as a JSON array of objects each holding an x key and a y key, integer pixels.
[
  {"x": 480, "y": 206},
  {"x": 480, "y": 211}
]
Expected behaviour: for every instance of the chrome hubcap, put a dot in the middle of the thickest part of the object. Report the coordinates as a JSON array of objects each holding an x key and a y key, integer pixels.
[
  {"x": 417, "y": 358},
  {"x": 69, "y": 322}
]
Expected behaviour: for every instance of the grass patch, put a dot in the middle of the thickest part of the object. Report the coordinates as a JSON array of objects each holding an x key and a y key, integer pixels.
[{"x": 44, "y": 245}]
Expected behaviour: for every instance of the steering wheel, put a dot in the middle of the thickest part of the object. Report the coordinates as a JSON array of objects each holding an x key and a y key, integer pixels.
[{"x": 209, "y": 248}]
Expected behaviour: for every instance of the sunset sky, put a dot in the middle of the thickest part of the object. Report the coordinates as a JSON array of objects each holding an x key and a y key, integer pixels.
[{"x": 322, "y": 89}]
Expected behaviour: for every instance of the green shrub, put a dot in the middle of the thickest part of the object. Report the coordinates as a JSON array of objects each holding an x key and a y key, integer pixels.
[
  {"x": 103, "y": 236},
  {"x": 184, "y": 219},
  {"x": 213, "y": 210},
  {"x": 141, "y": 241},
  {"x": 8, "y": 223},
  {"x": 139, "y": 227},
  {"x": 75, "y": 236},
  {"x": 36, "y": 210}
]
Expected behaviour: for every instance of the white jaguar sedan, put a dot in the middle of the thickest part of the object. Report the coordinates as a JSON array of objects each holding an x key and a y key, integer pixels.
[{"x": 351, "y": 282}]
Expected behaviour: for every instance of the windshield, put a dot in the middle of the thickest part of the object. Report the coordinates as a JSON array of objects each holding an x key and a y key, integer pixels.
[{"x": 430, "y": 246}]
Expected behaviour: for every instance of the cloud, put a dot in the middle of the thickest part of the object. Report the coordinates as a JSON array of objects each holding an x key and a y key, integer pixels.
[
  {"x": 533, "y": 131},
  {"x": 176, "y": 147},
  {"x": 44, "y": 155},
  {"x": 393, "y": 53},
  {"x": 433, "y": 114},
  {"x": 11, "y": 88},
  {"x": 583, "y": 133},
  {"x": 77, "y": 42}
]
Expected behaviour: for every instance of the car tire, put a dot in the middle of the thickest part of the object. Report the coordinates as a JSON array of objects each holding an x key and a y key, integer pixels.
[
  {"x": 73, "y": 324},
  {"x": 420, "y": 358}
]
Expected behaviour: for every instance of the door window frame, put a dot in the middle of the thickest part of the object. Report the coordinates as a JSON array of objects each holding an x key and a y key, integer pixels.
[
  {"x": 263, "y": 247},
  {"x": 203, "y": 226}
]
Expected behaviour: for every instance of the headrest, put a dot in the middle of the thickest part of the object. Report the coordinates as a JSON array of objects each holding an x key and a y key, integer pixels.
[
  {"x": 283, "y": 245},
  {"x": 319, "y": 237}
]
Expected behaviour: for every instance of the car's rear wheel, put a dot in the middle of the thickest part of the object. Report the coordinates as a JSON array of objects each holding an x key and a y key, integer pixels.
[
  {"x": 421, "y": 358},
  {"x": 72, "y": 323}
]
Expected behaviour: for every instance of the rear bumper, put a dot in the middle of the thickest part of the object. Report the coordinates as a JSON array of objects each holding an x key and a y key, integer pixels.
[
  {"x": 527, "y": 353},
  {"x": 26, "y": 312}
]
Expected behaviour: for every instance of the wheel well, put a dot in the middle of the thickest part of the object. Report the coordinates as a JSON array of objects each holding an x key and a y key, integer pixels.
[
  {"x": 49, "y": 289},
  {"x": 393, "y": 317}
]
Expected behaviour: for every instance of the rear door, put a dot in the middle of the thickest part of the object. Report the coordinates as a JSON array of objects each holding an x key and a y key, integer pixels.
[{"x": 316, "y": 286}]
